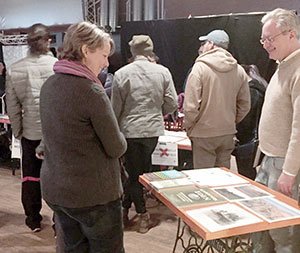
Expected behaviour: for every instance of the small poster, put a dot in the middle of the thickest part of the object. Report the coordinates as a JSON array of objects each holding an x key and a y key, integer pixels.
[
  {"x": 222, "y": 217},
  {"x": 15, "y": 148},
  {"x": 192, "y": 195},
  {"x": 271, "y": 209},
  {"x": 165, "y": 153},
  {"x": 241, "y": 192},
  {"x": 214, "y": 177}
]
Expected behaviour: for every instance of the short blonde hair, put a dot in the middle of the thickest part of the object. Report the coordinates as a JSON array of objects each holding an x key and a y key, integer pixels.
[
  {"x": 286, "y": 20},
  {"x": 84, "y": 33}
]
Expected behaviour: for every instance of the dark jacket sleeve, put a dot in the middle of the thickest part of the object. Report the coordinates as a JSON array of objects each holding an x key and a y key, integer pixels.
[
  {"x": 105, "y": 124},
  {"x": 170, "y": 96}
]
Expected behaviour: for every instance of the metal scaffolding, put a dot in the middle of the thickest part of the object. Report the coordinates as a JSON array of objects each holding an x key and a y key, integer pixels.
[
  {"x": 8, "y": 40},
  {"x": 103, "y": 13},
  {"x": 91, "y": 10}
]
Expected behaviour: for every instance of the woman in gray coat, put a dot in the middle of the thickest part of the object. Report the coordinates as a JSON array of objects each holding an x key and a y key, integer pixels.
[{"x": 80, "y": 175}]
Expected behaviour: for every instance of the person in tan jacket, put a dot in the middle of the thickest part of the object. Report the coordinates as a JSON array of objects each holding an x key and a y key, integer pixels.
[{"x": 217, "y": 97}]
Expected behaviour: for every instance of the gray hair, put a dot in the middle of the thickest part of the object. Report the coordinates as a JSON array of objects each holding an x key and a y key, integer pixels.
[
  {"x": 286, "y": 20},
  {"x": 84, "y": 33}
]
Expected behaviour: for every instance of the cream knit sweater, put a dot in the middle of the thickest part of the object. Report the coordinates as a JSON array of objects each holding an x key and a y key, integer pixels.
[{"x": 279, "y": 129}]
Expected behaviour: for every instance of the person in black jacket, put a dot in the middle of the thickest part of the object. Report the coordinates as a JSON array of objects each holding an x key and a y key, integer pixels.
[{"x": 247, "y": 134}]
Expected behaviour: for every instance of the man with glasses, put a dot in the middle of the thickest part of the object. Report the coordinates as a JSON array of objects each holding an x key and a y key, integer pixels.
[
  {"x": 217, "y": 97},
  {"x": 279, "y": 129}
]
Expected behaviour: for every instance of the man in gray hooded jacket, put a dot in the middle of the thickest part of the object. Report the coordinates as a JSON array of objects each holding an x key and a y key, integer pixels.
[{"x": 217, "y": 97}]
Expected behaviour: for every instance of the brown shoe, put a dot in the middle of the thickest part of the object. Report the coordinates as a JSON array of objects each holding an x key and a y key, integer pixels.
[{"x": 144, "y": 223}]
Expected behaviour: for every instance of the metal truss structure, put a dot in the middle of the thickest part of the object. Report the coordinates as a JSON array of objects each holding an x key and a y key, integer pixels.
[
  {"x": 8, "y": 40},
  {"x": 91, "y": 10}
]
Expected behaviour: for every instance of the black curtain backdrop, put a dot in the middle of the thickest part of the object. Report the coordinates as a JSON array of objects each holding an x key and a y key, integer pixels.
[{"x": 176, "y": 41}]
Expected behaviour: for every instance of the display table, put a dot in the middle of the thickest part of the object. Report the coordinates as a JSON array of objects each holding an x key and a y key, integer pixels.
[
  {"x": 180, "y": 138},
  {"x": 4, "y": 119},
  {"x": 229, "y": 239}
]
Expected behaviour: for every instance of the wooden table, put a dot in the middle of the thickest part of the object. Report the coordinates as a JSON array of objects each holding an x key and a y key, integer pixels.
[
  {"x": 180, "y": 138},
  {"x": 4, "y": 119},
  {"x": 213, "y": 238}
]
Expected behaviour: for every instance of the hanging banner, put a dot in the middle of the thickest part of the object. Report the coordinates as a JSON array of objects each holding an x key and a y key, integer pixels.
[{"x": 165, "y": 153}]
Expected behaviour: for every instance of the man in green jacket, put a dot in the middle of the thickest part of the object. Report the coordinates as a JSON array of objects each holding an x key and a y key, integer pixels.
[{"x": 143, "y": 92}]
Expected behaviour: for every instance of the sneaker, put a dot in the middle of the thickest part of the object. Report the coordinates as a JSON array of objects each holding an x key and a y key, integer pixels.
[
  {"x": 36, "y": 229},
  {"x": 34, "y": 223},
  {"x": 144, "y": 223}
]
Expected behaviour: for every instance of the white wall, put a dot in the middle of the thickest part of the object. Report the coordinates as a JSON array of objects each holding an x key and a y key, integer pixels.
[{"x": 24, "y": 13}]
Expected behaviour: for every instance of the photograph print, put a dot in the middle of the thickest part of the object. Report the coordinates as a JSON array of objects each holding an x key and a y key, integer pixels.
[
  {"x": 221, "y": 217},
  {"x": 270, "y": 209}
]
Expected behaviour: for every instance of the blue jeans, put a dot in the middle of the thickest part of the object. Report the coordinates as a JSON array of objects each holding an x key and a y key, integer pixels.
[{"x": 91, "y": 229}]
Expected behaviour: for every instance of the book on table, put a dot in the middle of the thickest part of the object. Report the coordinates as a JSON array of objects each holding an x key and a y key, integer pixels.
[
  {"x": 192, "y": 195},
  {"x": 161, "y": 185},
  {"x": 163, "y": 175}
]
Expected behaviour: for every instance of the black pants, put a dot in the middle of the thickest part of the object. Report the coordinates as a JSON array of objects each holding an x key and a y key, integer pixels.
[
  {"x": 244, "y": 170},
  {"x": 137, "y": 162},
  {"x": 31, "y": 189}
]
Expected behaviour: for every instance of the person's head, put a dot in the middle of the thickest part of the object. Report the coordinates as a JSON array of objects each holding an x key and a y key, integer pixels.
[
  {"x": 141, "y": 45},
  {"x": 253, "y": 73},
  {"x": 280, "y": 33},
  {"x": 39, "y": 39},
  {"x": 153, "y": 58},
  {"x": 216, "y": 38},
  {"x": 87, "y": 43}
]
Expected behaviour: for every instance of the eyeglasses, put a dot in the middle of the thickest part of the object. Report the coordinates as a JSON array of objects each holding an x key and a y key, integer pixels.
[{"x": 270, "y": 39}]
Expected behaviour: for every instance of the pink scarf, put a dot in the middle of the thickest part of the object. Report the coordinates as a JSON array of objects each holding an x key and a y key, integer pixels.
[{"x": 75, "y": 68}]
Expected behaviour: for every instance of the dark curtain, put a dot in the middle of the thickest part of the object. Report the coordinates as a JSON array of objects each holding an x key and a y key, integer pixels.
[{"x": 176, "y": 41}]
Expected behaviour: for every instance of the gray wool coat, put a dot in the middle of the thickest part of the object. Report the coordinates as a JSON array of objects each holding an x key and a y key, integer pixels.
[{"x": 82, "y": 143}]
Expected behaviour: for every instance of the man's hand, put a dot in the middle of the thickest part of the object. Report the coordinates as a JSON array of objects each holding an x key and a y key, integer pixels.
[
  {"x": 285, "y": 184},
  {"x": 40, "y": 155}
]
